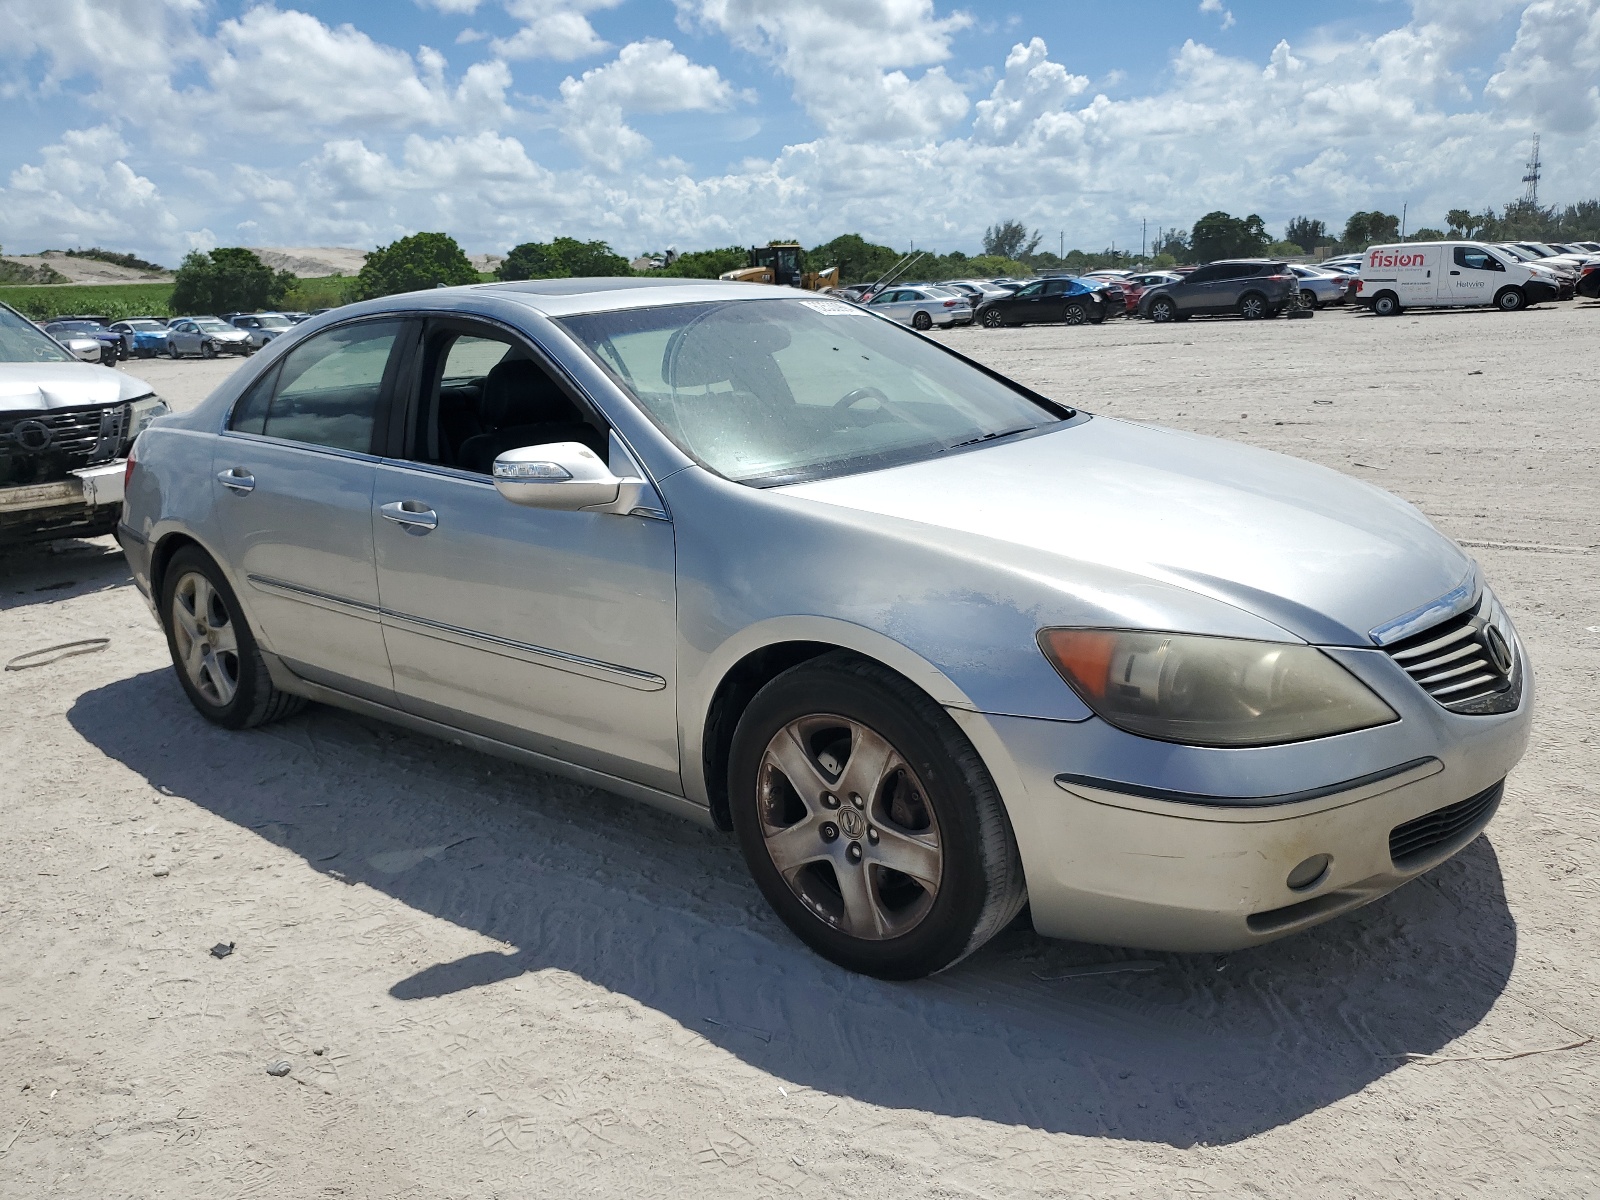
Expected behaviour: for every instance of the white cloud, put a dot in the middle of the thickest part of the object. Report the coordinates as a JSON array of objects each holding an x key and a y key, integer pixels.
[
  {"x": 1543, "y": 76},
  {"x": 1215, "y": 6},
  {"x": 82, "y": 192},
  {"x": 557, "y": 29},
  {"x": 645, "y": 77},
  {"x": 847, "y": 59}
]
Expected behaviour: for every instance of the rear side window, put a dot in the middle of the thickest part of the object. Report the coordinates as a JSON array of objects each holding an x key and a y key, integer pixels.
[{"x": 325, "y": 392}]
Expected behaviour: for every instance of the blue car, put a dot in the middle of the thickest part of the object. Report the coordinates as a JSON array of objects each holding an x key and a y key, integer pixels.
[
  {"x": 1061, "y": 299},
  {"x": 144, "y": 337}
]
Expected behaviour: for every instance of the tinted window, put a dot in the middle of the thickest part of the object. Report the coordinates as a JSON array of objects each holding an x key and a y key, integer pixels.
[
  {"x": 1476, "y": 260},
  {"x": 326, "y": 390},
  {"x": 1204, "y": 275},
  {"x": 1056, "y": 287},
  {"x": 1029, "y": 292}
]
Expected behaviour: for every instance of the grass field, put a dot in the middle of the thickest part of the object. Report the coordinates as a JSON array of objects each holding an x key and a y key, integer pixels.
[{"x": 118, "y": 300}]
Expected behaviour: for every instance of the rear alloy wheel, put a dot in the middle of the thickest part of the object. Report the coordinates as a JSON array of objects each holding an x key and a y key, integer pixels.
[
  {"x": 1074, "y": 314},
  {"x": 1308, "y": 299},
  {"x": 213, "y": 650},
  {"x": 921, "y": 321},
  {"x": 1163, "y": 310},
  {"x": 1253, "y": 306},
  {"x": 1510, "y": 300},
  {"x": 991, "y": 319},
  {"x": 869, "y": 821}
]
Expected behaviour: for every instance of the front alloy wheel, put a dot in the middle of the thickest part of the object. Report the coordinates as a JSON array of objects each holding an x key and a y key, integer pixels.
[
  {"x": 868, "y": 820},
  {"x": 1162, "y": 311},
  {"x": 991, "y": 319},
  {"x": 848, "y": 825}
]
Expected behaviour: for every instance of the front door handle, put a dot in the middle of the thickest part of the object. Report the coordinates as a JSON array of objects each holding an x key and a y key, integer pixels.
[
  {"x": 237, "y": 479},
  {"x": 1455, "y": 272},
  {"x": 416, "y": 516}
]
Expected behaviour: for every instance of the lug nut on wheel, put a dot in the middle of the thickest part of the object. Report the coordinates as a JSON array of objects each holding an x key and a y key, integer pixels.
[
  {"x": 829, "y": 800},
  {"x": 854, "y": 852},
  {"x": 829, "y": 831},
  {"x": 856, "y": 800},
  {"x": 872, "y": 835}
]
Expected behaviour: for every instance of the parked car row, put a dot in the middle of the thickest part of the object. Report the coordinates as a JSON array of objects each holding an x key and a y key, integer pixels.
[{"x": 102, "y": 340}]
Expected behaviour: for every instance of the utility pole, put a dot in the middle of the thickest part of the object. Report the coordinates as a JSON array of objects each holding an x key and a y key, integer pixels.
[
  {"x": 1403, "y": 208},
  {"x": 1144, "y": 229},
  {"x": 1063, "y": 253},
  {"x": 1532, "y": 177}
]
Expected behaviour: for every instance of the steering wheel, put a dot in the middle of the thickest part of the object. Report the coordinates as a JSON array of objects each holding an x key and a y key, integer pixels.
[{"x": 862, "y": 393}]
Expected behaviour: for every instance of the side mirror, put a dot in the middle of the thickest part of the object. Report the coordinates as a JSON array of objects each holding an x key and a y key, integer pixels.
[{"x": 562, "y": 475}]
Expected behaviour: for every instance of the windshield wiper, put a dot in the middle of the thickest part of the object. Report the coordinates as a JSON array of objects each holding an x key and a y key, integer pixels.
[{"x": 989, "y": 437}]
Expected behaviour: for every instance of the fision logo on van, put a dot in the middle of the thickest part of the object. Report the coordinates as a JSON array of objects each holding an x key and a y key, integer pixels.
[{"x": 1387, "y": 258}]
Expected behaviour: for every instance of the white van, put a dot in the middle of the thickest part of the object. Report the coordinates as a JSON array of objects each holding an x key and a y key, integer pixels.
[{"x": 1448, "y": 275}]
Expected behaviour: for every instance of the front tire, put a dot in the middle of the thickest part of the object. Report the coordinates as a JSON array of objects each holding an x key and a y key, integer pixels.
[
  {"x": 1511, "y": 300},
  {"x": 992, "y": 319},
  {"x": 1163, "y": 310},
  {"x": 213, "y": 650},
  {"x": 172, "y": 351},
  {"x": 1253, "y": 306},
  {"x": 869, "y": 822}
]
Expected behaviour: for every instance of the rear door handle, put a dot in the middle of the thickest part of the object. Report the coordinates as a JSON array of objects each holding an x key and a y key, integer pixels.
[
  {"x": 237, "y": 479},
  {"x": 416, "y": 516}
]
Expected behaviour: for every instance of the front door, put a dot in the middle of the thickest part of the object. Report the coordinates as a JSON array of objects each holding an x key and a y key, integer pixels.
[
  {"x": 293, "y": 478},
  {"x": 553, "y": 631},
  {"x": 1474, "y": 276}
]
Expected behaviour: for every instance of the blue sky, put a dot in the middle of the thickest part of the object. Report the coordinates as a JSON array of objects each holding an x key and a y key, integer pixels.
[{"x": 161, "y": 125}]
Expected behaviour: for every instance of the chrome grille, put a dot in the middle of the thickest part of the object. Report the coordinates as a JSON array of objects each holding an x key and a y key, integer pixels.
[
  {"x": 1466, "y": 662},
  {"x": 1455, "y": 824},
  {"x": 79, "y": 435}
]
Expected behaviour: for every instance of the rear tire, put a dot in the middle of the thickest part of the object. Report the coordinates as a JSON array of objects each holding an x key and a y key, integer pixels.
[
  {"x": 1308, "y": 299},
  {"x": 213, "y": 650},
  {"x": 843, "y": 724},
  {"x": 1163, "y": 310},
  {"x": 921, "y": 322},
  {"x": 1510, "y": 299},
  {"x": 1386, "y": 304},
  {"x": 1074, "y": 314}
]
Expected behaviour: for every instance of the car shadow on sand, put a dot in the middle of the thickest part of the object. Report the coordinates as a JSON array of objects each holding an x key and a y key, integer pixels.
[
  {"x": 62, "y": 570},
  {"x": 1170, "y": 1048}
]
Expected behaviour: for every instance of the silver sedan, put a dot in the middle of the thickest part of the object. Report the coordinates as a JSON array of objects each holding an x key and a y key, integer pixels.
[
  {"x": 931, "y": 645},
  {"x": 924, "y": 306},
  {"x": 1318, "y": 288},
  {"x": 207, "y": 337}
]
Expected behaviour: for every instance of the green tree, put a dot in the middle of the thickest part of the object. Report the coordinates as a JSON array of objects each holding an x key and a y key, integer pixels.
[
  {"x": 1461, "y": 222},
  {"x": 1427, "y": 235},
  {"x": 423, "y": 260},
  {"x": 561, "y": 258},
  {"x": 1365, "y": 229},
  {"x": 1285, "y": 249},
  {"x": 228, "y": 279},
  {"x": 1219, "y": 235},
  {"x": 705, "y": 264},
  {"x": 1307, "y": 233},
  {"x": 858, "y": 260},
  {"x": 1009, "y": 239}
]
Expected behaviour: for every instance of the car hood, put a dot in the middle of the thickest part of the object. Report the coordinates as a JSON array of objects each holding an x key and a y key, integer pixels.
[
  {"x": 31, "y": 387},
  {"x": 1319, "y": 554}
]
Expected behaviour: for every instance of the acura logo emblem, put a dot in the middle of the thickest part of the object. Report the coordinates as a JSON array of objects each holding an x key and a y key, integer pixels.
[
  {"x": 33, "y": 436},
  {"x": 1499, "y": 652}
]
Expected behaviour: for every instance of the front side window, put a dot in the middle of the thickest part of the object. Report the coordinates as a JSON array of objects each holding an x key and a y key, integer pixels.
[
  {"x": 778, "y": 391},
  {"x": 1476, "y": 260},
  {"x": 1031, "y": 292},
  {"x": 326, "y": 390},
  {"x": 22, "y": 341}
]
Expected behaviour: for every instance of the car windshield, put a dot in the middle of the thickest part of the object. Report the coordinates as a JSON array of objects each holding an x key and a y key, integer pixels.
[
  {"x": 769, "y": 392},
  {"x": 78, "y": 327},
  {"x": 212, "y": 325},
  {"x": 275, "y": 322},
  {"x": 21, "y": 341}
]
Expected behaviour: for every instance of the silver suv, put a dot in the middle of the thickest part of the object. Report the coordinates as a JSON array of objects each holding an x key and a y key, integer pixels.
[{"x": 1251, "y": 288}]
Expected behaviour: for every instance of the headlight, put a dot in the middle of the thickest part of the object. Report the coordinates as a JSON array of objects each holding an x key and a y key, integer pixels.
[
  {"x": 145, "y": 409},
  {"x": 1211, "y": 691}
]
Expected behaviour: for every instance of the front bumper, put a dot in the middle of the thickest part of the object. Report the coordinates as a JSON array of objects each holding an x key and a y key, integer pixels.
[
  {"x": 84, "y": 502},
  {"x": 1114, "y": 853}
]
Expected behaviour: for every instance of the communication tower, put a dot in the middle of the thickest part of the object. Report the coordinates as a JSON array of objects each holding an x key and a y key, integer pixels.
[{"x": 1532, "y": 177}]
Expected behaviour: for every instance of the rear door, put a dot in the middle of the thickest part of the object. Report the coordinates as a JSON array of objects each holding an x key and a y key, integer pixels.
[{"x": 293, "y": 497}]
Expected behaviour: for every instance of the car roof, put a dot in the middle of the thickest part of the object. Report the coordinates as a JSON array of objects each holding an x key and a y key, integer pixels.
[{"x": 569, "y": 297}]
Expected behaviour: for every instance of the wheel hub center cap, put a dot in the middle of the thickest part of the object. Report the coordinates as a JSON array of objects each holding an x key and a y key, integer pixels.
[{"x": 852, "y": 822}]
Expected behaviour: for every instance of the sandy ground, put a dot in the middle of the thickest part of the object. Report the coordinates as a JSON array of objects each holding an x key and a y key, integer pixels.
[
  {"x": 89, "y": 270},
  {"x": 489, "y": 983},
  {"x": 316, "y": 261}
]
